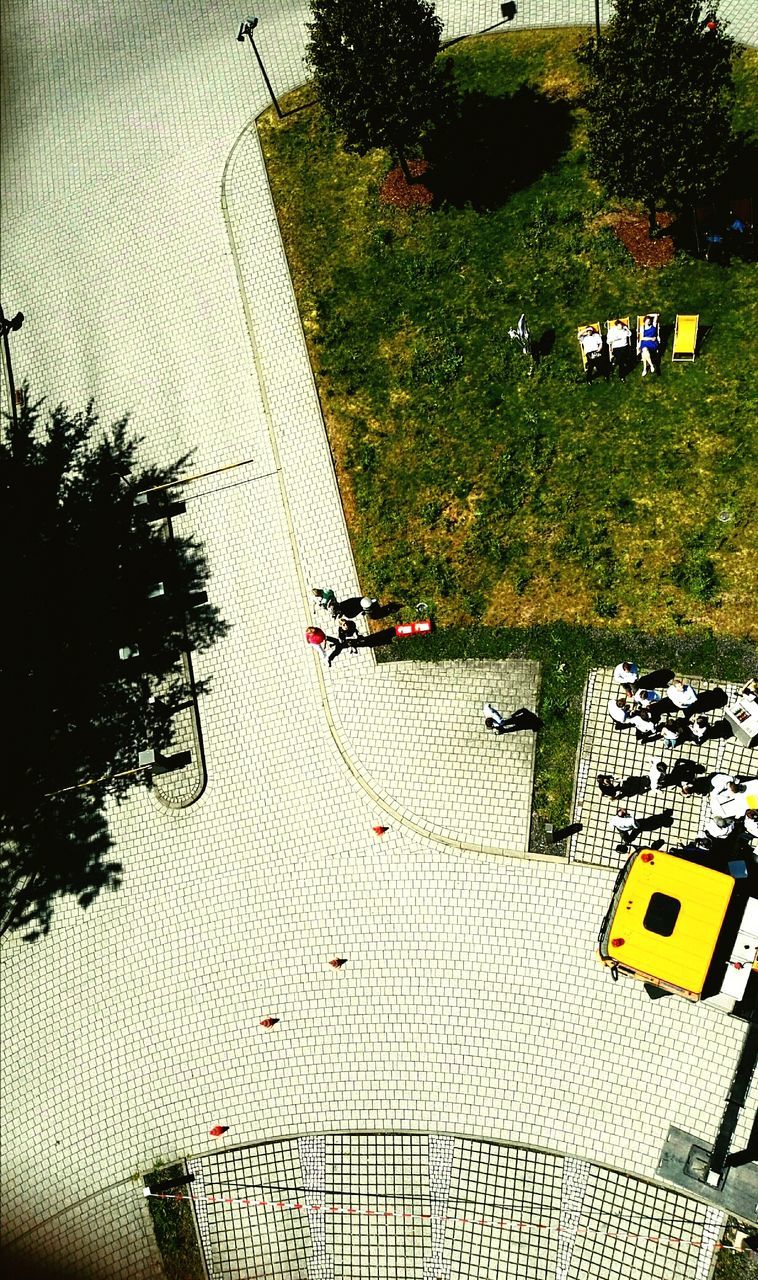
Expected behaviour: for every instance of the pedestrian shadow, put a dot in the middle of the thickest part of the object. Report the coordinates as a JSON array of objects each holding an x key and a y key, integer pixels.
[
  {"x": 685, "y": 771},
  {"x": 635, "y": 785},
  {"x": 655, "y": 821},
  {"x": 377, "y": 639},
  {"x": 720, "y": 729},
  {"x": 526, "y": 719},
  {"x": 385, "y": 610},
  {"x": 709, "y": 700},
  {"x": 656, "y": 679}
]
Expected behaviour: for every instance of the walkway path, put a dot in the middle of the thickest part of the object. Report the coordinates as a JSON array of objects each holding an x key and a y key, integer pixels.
[{"x": 472, "y": 1001}]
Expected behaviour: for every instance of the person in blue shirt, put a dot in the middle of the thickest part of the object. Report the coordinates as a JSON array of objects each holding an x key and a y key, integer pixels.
[{"x": 649, "y": 345}]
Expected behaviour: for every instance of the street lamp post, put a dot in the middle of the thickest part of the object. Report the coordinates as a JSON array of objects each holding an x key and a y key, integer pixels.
[
  {"x": 597, "y": 19},
  {"x": 247, "y": 27},
  {"x": 6, "y": 327}
]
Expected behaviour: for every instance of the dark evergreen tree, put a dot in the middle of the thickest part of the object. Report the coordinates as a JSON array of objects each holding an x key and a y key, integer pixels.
[
  {"x": 660, "y": 102},
  {"x": 374, "y": 65},
  {"x": 80, "y": 564}
]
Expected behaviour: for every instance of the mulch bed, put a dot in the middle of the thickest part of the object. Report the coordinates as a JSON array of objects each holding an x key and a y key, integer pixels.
[
  {"x": 632, "y": 231},
  {"x": 404, "y": 195}
]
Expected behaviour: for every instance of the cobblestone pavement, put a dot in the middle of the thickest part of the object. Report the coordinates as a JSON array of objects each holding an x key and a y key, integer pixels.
[
  {"x": 471, "y": 1000},
  {"x": 604, "y": 750}
]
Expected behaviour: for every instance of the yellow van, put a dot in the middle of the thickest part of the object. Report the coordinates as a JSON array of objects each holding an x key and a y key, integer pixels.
[{"x": 665, "y": 921}]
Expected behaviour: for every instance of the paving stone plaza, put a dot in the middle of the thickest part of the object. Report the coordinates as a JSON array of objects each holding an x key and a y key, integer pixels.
[{"x": 472, "y": 1052}]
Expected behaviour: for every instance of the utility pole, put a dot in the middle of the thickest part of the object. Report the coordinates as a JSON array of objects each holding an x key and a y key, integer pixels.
[
  {"x": 597, "y": 19},
  {"x": 247, "y": 27},
  {"x": 6, "y": 327}
]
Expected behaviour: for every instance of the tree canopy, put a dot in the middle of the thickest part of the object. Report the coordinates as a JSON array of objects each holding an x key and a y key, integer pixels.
[
  {"x": 80, "y": 565},
  {"x": 660, "y": 102},
  {"x": 375, "y": 71}
]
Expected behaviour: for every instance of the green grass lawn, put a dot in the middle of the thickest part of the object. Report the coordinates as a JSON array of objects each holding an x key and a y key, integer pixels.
[{"x": 535, "y": 515}]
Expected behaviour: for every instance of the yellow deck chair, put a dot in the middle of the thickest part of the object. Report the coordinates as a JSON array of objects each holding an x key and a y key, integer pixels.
[
  {"x": 685, "y": 338},
  {"x": 594, "y": 324}
]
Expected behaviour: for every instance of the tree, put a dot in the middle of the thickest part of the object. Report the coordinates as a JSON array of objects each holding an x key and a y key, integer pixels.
[
  {"x": 80, "y": 563},
  {"x": 660, "y": 102},
  {"x": 375, "y": 71}
]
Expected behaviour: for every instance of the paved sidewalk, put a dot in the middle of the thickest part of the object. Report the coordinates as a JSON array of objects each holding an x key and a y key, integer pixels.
[{"x": 472, "y": 1001}]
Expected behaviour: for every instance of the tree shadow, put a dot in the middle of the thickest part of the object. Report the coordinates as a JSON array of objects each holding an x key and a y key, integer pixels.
[{"x": 487, "y": 147}]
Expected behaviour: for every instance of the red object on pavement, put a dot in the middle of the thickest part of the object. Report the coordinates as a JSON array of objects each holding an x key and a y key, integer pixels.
[
  {"x": 422, "y": 627},
  {"x": 379, "y": 830},
  {"x": 337, "y": 963},
  {"x": 314, "y": 635},
  {"x": 268, "y": 1022},
  {"x": 218, "y": 1129},
  {"x": 403, "y": 628}
]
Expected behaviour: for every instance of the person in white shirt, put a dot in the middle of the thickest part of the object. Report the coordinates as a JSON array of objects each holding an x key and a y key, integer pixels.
[
  {"x": 626, "y": 673},
  {"x": 627, "y": 826},
  {"x": 591, "y": 341},
  {"x": 658, "y": 775},
  {"x": 646, "y": 697},
  {"x": 728, "y": 796},
  {"x": 619, "y": 339},
  {"x": 496, "y": 722},
  {"x": 717, "y": 828},
  {"x": 681, "y": 694},
  {"x": 645, "y": 726},
  {"x": 618, "y": 711}
]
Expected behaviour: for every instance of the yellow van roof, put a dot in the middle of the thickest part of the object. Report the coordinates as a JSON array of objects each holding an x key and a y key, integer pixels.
[{"x": 700, "y": 899}]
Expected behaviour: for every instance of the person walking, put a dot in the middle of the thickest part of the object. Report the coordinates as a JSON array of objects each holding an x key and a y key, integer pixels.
[
  {"x": 628, "y": 828},
  {"x": 326, "y": 598},
  {"x": 497, "y": 723},
  {"x": 608, "y": 786},
  {"x": 347, "y": 634}
]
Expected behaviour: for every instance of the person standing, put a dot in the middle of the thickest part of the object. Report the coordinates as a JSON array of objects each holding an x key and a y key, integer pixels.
[
  {"x": 608, "y": 786},
  {"x": 728, "y": 796},
  {"x": 628, "y": 828},
  {"x": 646, "y": 698},
  {"x": 327, "y": 599},
  {"x": 699, "y": 729},
  {"x": 672, "y": 733},
  {"x": 658, "y": 775},
  {"x": 682, "y": 695},
  {"x": 626, "y": 674},
  {"x": 619, "y": 712},
  {"x": 645, "y": 726}
]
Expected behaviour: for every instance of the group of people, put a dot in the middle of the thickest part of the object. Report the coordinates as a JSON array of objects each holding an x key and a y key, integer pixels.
[
  {"x": 733, "y": 801},
  {"x": 344, "y": 614},
  {"x": 642, "y": 708},
  {"x": 617, "y": 351}
]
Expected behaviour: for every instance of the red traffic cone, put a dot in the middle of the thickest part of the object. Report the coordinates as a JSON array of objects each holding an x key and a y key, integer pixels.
[
  {"x": 268, "y": 1022},
  {"x": 337, "y": 963},
  {"x": 380, "y": 830},
  {"x": 218, "y": 1129}
]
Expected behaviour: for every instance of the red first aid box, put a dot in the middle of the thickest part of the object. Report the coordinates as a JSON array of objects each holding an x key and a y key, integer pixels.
[
  {"x": 404, "y": 629},
  {"x": 422, "y": 627}
]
